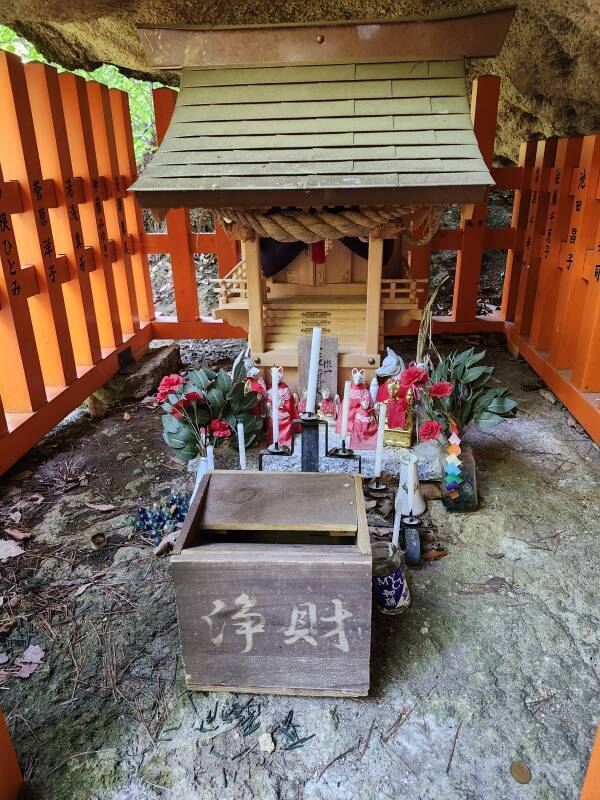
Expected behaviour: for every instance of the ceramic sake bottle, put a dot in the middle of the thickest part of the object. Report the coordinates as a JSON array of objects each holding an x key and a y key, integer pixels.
[{"x": 409, "y": 500}]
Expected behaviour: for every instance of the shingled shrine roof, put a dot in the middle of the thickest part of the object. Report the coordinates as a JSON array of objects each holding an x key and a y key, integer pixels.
[{"x": 318, "y": 134}]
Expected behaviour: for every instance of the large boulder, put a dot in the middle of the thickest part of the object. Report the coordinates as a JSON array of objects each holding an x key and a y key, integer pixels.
[{"x": 549, "y": 65}]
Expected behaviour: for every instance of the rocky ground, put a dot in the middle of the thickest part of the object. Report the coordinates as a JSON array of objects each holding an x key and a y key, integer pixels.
[{"x": 495, "y": 662}]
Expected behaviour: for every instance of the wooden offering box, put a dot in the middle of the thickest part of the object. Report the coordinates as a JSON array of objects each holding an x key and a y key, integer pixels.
[{"x": 272, "y": 576}]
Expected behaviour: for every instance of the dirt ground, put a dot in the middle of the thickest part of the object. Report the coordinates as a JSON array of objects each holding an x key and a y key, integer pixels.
[{"x": 496, "y": 661}]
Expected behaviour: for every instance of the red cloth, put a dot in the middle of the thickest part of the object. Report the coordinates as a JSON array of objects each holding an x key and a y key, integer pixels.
[
  {"x": 356, "y": 394},
  {"x": 382, "y": 392},
  {"x": 287, "y": 413},
  {"x": 364, "y": 431},
  {"x": 317, "y": 252},
  {"x": 396, "y": 412}
]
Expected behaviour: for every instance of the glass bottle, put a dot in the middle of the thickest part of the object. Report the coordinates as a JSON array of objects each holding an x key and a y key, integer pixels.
[
  {"x": 390, "y": 589},
  {"x": 459, "y": 489}
]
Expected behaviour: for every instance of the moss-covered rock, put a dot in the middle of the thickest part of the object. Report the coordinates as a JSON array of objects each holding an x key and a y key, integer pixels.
[{"x": 549, "y": 64}]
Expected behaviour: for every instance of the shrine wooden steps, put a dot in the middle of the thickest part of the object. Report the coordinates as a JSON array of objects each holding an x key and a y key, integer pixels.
[{"x": 344, "y": 317}]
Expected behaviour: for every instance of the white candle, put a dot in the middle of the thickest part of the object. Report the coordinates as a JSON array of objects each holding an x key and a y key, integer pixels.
[
  {"x": 345, "y": 410},
  {"x": 275, "y": 403},
  {"x": 313, "y": 371},
  {"x": 241, "y": 444},
  {"x": 380, "y": 432},
  {"x": 210, "y": 455}
]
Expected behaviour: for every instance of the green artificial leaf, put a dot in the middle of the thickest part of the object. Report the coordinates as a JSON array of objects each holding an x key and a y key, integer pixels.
[
  {"x": 200, "y": 414},
  {"x": 216, "y": 400},
  {"x": 237, "y": 394},
  {"x": 475, "y": 358},
  {"x": 224, "y": 382},
  {"x": 248, "y": 401},
  {"x": 184, "y": 437},
  {"x": 474, "y": 373},
  {"x": 230, "y": 418},
  {"x": 487, "y": 420},
  {"x": 166, "y": 406},
  {"x": 483, "y": 401},
  {"x": 170, "y": 424},
  {"x": 246, "y": 418},
  {"x": 199, "y": 378},
  {"x": 462, "y": 358},
  {"x": 173, "y": 399},
  {"x": 502, "y": 405},
  {"x": 254, "y": 425},
  {"x": 239, "y": 373},
  {"x": 210, "y": 373},
  {"x": 187, "y": 453}
]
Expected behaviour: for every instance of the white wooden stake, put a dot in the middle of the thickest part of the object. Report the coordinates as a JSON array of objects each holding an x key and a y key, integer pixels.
[
  {"x": 380, "y": 432},
  {"x": 345, "y": 410},
  {"x": 275, "y": 403},
  {"x": 241, "y": 444}
]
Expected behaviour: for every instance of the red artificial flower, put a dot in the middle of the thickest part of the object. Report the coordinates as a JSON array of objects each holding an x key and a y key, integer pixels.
[
  {"x": 193, "y": 397},
  {"x": 178, "y": 407},
  {"x": 170, "y": 383},
  {"x": 429, "y": 430},
  {"x": 414, "y": 376},
  {"x": 440, "y": 389},
  {"x": 219, "y": 428}
]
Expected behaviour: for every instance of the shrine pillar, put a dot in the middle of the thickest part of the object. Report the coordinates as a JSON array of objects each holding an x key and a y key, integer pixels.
[
  {"x": 374, "y": 270},
  {"x": 251, "y": 257}
]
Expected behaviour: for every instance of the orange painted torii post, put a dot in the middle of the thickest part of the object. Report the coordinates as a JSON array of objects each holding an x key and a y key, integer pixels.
[
  {"x": 534, "y": 234},
  {"x": 484, "y": 113},
  {"x": 21, "y": 378},
  {"x": 178, "y": 226},
  {"x": 514, "y": 258},
  {"x": 560, "y": 202},
  {"x": 11, "y": 779},
  {"x": 585, "y": 375},
  {"x": 76, "y": 109},
  {"x": 108, "y": 164},
  {"x": 581, "y": 236},
  {"x": 50, "y": 128},
  {"x": 126, "y": 161},
  {"x": 19, "y": 152}
]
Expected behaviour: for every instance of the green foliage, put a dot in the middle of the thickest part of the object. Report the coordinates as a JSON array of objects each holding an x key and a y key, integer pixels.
[
  {"x": 216, "y": 396},
  {"x": 140, "y": 92},
  {"x": 471, "y": 401}
]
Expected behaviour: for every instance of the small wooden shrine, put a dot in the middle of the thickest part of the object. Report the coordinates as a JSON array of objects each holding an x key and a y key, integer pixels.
[{"x": 324, "y": 149}]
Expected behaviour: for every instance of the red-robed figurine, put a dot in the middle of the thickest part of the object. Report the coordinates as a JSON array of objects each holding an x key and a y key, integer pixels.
[
  {"x": 255, "y": 383},
  {"x": 287, "y": 412},
  {"x": 357, "y": 388},
  {"x": 328, "y": 408},
  {"x": 364, "y": 430}
]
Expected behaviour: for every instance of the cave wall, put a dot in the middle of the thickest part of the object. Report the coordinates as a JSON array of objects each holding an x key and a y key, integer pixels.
[{"x": 550, "y": 64}]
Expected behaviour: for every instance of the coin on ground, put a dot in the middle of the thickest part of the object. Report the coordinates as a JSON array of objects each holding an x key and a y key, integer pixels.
[{"x": 520, "y": 772}]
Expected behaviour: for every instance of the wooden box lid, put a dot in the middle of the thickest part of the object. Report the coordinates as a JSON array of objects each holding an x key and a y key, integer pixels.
[{"x": 236, "y": 500}]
